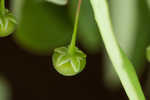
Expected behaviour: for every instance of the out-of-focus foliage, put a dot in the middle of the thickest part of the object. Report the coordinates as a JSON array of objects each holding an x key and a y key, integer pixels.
[
  {"x": 124, "y": 19},
  {"x": 43, "y": 26},
  {"x": 17, "y": 6},
  {"x": 130, "y": 21},
  {"x": 148, "y": 53},
  {"x": 142, "y": 37},
  {"x": 59, "y": 2},
  {"x": 5, "y": 91},
  {"x": 148, "y": 2},
  {"x": 88, "y": 31},
  {"x": 120, "y": 61}
]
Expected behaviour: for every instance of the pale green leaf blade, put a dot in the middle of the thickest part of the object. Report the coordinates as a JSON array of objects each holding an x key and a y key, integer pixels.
[
  {"x": 121, "y": 63},
  {"x": 58, "y": 2},
  {"x": 125, "y": 21}
]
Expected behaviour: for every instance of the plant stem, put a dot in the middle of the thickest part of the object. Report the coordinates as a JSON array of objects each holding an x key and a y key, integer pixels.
[
  {"x": 2, "y": 6},
  {"x": 120, "y": 61},
  {"x": 74, "y": 36}
]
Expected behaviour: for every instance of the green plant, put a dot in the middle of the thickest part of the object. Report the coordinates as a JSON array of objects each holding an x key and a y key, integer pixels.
[
  {"x": 148, "y": 2},
  {"x": 69, "y": 61},
  {"x": 148, "y": 53},
  {"x": 87, "y": 28},
  {"x": 125, "y": 32},
  {"x": 5, "y": 88},
  {"x": 7, "y": 21},
  {"x": 121, "y": 63},
  {"x": 59, "y": 2}
]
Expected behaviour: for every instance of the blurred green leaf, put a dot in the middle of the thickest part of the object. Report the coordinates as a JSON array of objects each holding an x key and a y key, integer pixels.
[
  {"x": 148, "y": 2},
  {"x": 43, "y": 27},
  {"x": 17, "y": 6},
  {"x": 88, "y": 31},
  {"x": 142, "y": 37},
  {"x": 122, "y": 65},
  {"x": 131, "y": 22},
  {"x": 5, "y": 91},
  {"x": 124, "y": 20},
  {"x": 148, "y": 53},
  {"x": 58, "y": 2}
]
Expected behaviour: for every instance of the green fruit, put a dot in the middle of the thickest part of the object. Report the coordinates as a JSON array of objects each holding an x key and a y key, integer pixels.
[
  {"x": 7, "y": 23},
  {"x": 68, "y": 64}
]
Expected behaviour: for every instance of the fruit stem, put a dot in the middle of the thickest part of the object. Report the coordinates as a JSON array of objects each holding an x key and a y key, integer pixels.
[
  {"x": 2, "y": 6},
  {"x": 74, "y": 36}
]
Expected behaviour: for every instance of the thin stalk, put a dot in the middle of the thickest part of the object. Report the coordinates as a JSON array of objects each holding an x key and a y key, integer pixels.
[
  {"x": 74, "y": 36},
  {"x": 120, "y": 61},
  {"x": 2, "y": 6}
]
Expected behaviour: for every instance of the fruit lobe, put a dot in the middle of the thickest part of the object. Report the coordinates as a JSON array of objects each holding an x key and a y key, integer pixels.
[{"x": 7, "y": 23}]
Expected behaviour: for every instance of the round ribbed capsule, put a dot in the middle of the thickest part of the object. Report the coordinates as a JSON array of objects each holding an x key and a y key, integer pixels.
[
  {"x": 7, "y": 23},
  {"x": 68, "y": 64}
]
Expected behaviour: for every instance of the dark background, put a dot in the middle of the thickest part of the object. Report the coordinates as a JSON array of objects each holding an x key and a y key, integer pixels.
[{"x": 32, "y": 77}]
